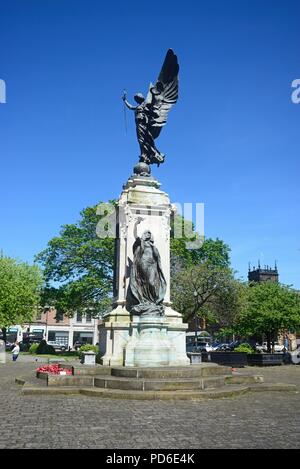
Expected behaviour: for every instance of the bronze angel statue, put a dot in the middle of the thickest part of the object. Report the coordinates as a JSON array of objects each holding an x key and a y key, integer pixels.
[{"x": 151, "y": 113}]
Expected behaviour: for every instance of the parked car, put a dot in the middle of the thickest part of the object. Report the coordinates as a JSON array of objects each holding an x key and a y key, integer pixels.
[
  {"x": 58, "y": 346},
  {"x": 200, "y": 347},
  {"x": 221, "y": 348},
  {"x": 259, "y": 347},
  {"x": 234, "y": 344},
  {"x": 205, "y": 347},
  {"x": 29, "y": 339},
  {"x": 9, "y": 346},
  {"x": 264, "y": 347}
]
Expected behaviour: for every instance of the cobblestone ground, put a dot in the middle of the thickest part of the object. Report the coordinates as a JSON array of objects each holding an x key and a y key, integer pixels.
[{"x": 261, "y": 420}]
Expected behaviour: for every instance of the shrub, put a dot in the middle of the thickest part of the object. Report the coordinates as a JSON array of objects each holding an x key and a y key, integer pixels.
[
  {"x": 72, "y": 353},
  {"x": 88, "y": 348},
  {"x": 33, "y": 348},
  {"x": 45, "y": 349},
  {"x": 244, "y": 348}
]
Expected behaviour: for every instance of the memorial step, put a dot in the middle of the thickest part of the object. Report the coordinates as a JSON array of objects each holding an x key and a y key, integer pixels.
[
  {"x": 141, "y": 384},
  {"x": 192, "y": 371}
]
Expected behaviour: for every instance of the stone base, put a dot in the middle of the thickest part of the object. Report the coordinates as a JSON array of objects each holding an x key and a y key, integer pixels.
[
  {"x": 151, "y": 347},
  {"x": 88, "y": 358},
  {"x": 114, "y": 333},
  {"x": 137, "y": 341}
]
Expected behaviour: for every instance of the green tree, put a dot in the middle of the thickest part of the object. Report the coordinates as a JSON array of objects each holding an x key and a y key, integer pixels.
[
  {"x": 213, "y": 251},
  {"x": 20, "y": 287},
  {"x": 206, "y": 292},
  {"x": 228, "y": 301},
  {"x": 78, "y": 264},
  {"x": 269, "y": 309},
  {"x": 188, "y": 248}
]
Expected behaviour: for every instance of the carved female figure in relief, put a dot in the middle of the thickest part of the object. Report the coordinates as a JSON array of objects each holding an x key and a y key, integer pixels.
[{"x": 147, "y": 285}]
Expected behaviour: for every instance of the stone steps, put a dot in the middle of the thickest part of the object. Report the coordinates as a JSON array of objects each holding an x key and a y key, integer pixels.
[
  {"x": 137, "y": 384},
  {"x": 141, "y": 384},
  {"x": 192, "y": 371},
  {"x": 69, "y": 380},
  {"x": 33, "y": 390},
  {"x": 192, "y": 382},
  {"x": 146, "y": 384},
  {"x": 200, "y": 381},
  {"x": 222, "y": 392},
  {"x": 193, "y": 377}
]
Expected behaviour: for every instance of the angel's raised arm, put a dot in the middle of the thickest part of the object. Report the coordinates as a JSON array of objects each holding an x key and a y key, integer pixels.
[
  {"x": 133, "y": 108},
  {"x": 138, "y": 221},
  {"x": 127, "y": 103}
]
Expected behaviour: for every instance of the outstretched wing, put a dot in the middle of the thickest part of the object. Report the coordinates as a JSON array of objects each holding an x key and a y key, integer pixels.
[{"x": 164, "y": 94}]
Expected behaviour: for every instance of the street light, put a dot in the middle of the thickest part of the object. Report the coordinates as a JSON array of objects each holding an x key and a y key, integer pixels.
[{"x": 196, "y": 320}]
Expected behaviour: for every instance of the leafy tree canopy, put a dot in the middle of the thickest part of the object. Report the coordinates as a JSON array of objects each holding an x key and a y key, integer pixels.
[
  {"x": 78, "y": 265},
  {"x": 188, "y": 248},
  {"x": 269, "y": 309},
  {"x": 81, "y": 264},
  {"x": 207, "y": 291},
  {"x": 20, "y": 287}
]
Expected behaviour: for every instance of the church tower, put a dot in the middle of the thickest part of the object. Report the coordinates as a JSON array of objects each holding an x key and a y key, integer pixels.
[{"x": 263, "y": 274}]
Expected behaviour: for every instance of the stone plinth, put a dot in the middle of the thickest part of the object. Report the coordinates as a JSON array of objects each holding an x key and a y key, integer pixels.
[
  {"x": 151, "y": 345},
  {"x": 88, "y": 358},
  {"x": 120, "y": 332}
]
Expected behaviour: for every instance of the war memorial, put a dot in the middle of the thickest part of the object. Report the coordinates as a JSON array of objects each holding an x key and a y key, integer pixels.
[
  {"x": 124, "y": 327},
  {"x": 142, "y": 339},
  {"x": 142, "y": 329}
]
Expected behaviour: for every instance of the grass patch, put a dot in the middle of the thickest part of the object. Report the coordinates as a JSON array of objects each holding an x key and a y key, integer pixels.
[{"x": 66, "y": 355}]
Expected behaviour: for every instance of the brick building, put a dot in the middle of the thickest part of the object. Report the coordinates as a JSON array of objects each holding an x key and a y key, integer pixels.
[{"x": 57, "y": 327}]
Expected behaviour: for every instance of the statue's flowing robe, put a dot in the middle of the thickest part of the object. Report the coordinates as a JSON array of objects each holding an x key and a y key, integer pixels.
[
  {"x": 147, "y": 282},
  {"x": 149, "y": 152}
]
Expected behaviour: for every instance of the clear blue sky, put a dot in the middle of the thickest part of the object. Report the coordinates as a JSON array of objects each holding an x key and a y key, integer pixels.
[{"x": 232, "y": 141}]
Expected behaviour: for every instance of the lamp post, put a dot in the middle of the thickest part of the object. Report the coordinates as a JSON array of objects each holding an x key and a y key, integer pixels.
[{"x": 196, "y": 319}]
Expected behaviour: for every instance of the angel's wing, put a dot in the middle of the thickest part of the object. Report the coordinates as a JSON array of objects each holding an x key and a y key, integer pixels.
[{"x": 164, "y": 93}]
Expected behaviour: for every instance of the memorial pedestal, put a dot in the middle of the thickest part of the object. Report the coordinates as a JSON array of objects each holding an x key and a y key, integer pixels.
[{"x": 134, "y": 340}]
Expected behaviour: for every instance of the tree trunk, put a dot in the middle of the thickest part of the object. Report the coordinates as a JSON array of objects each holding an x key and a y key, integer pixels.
[
  {"x": 4, "y": 333},
  {"x": 203, "y": 324}
]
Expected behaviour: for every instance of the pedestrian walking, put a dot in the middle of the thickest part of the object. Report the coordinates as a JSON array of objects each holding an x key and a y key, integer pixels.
[{"x": 15, "y": 351}]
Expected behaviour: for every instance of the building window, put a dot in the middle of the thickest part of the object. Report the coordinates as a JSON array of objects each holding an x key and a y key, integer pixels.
[
  {"x": 88, "y": 317},
  {"x": 59, "y": 316},
  {"x": 79, "y": 317},
  {"x": 39, "y": 315},
  {"x": 82, "y": 338}
]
